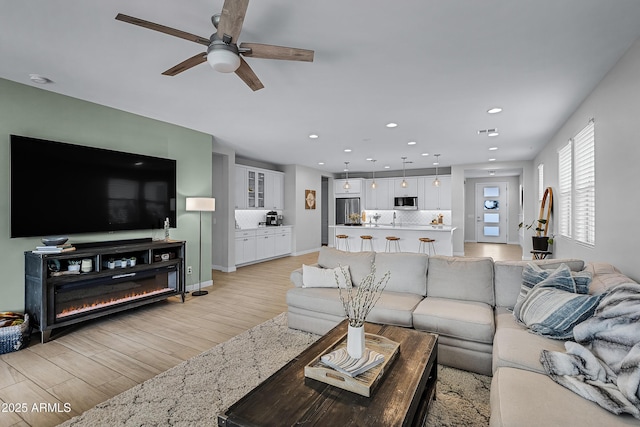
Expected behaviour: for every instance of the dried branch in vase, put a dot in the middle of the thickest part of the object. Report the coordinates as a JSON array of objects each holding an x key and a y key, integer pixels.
[{"x": 357, "y": 301}]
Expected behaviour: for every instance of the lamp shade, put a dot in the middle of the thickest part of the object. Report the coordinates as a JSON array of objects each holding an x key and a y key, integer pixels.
[
  {"x": 223, "y": 61},
  {"x": 201, "y": 204}
]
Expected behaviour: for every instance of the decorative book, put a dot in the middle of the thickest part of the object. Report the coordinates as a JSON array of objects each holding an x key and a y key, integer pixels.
[
  {"x": 342, "y": 362},
  {"x": 361, "y": 377}
]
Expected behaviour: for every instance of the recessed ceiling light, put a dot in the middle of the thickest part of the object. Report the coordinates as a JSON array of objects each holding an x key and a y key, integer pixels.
[
  {"x": 411, "y": 143},
  {"x": 313, "y": 136},
  {"x": 493, "y": 132},
  {"x": 424, "y": 154},
  {"x": 392, "y": 125},
  {"x": 436, "y": 163},
  {"x": 368, "y": 159},
  {"x": 37, "y": 78},
  {"x": 492, "y": 173},
  {"x": 321, "y": 163},
  {"x": 387, "y": 166},
  {"x": 347, "y": 150},
  {"x": 494, "y": 110},
  {"x": 493, "y": 148},
  {"x": 492, "y": 160}
]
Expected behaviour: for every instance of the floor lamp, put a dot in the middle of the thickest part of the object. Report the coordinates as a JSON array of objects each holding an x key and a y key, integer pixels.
[{"x": 200, "y": 204}]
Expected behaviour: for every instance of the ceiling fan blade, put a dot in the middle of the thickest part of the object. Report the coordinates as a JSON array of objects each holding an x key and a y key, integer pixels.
[
  {"x": 248, "y": 76},
  {"x": 163, "y": 29},
  {"x": 186, "y": 64},
  {"x": 268, "y": 51},
  {"x": 231, "y": 18}
]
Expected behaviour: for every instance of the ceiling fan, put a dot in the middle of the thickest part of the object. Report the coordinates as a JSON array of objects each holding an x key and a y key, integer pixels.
[{"x": 223, "y": 52}]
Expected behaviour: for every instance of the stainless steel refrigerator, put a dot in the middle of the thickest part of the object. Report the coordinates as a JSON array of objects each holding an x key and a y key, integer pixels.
[{"x": 345, "y": 207}]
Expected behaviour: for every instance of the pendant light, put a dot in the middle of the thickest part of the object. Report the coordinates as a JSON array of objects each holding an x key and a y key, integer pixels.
[
  {"x": 346, "y": 185},
  {"x": 436, "y": 182},
  {"x": 373, "y": 183},
  {"x": 404, "y": 183}
]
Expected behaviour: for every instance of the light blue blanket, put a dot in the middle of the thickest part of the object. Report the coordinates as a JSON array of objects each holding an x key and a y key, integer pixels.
[{"x": 603, "y": 364}]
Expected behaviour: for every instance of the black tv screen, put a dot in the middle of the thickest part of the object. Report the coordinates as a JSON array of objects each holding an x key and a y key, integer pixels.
[{"x": 60, "y": 189}]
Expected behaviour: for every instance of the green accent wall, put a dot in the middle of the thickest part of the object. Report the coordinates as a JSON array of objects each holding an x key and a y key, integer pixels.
[{"x": 30, "y": 111}]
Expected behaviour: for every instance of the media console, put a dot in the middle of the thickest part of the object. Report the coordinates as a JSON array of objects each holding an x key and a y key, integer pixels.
[{"x": 115, "y": 276}]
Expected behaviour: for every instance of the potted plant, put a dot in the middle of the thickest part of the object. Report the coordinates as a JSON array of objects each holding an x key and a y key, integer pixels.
[
  {"x": 540, "y": 242},
  {"x": 132, "y": 261},
  {"x": 111, "y": 264},
  {"x": 123, "y": 263}
]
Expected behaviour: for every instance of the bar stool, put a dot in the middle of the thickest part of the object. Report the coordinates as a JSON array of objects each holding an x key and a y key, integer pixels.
[
  {"x": 342, "y": 238},
  {"x": 393, "y": 242},
  {"x": 366, "y": 238},
  {"x": 424, "y": 242}
]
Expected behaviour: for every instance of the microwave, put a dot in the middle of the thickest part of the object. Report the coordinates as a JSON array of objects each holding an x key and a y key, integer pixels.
[{"x": 405, "y": 203}]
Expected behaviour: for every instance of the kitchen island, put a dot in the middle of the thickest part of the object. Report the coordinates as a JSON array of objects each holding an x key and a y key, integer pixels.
[{"x": 408, "y": 234}]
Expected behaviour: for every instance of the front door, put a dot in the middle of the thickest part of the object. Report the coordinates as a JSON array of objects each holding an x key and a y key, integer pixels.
[{"x": 491, "y": 212}]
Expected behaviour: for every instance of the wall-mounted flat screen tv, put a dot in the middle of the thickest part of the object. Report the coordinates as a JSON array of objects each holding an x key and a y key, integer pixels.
[{"x": 60, "y": 189}]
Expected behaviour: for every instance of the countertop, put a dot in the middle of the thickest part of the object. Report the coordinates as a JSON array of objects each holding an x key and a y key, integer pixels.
[
  {"x": 415, "y": 227},
  {"x": 275, "y": 227}
]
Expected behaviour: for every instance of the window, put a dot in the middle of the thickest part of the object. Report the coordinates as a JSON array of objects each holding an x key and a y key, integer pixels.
[
  {"x": 585, "y": 186},
  {"x": 540, "y": 181},
  {"x": 577, "y": 204},
  {"x": 564, "y": 187}
]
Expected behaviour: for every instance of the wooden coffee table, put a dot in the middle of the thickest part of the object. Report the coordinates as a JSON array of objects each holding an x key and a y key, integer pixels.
[{"x": 402, "y": 398}]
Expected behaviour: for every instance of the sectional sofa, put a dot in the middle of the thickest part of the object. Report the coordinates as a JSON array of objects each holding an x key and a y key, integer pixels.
[{"x": 468, "y": 302}]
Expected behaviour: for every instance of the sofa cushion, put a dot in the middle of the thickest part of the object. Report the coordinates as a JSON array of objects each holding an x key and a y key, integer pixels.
[
  {"x": 508, "y": 277},
  {"x": 316, "y": 277},
  {"x": 605, "y": 277},
  {"x": 408, "y": 271},
  {"x": 553, "y": 312},
  {"x": 359, "y": 262},
  {"x": 527, "y": 399},
  {"x": 466, "y": 279},
  {"x": 514, "y": 346},
  {"x": 393, "y": 308},
  {"x": 468, "y": 320}
]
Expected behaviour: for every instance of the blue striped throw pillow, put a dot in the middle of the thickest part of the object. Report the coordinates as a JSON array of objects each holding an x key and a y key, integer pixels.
[
  {"x": 532, "y": 274},
  {"x": 552, "y": 309}
]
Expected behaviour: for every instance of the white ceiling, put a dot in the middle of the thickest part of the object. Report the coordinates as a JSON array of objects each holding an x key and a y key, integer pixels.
[{"x": 434, "y": 67}]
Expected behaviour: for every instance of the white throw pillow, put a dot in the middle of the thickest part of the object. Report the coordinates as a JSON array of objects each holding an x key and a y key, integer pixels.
[{"x": 316, "y": 277}]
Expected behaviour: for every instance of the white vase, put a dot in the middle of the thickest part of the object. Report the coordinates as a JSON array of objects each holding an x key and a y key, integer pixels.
[{"x": 355, "y": 341}]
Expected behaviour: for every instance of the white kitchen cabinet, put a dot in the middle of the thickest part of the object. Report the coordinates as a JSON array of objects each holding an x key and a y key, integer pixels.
[
  {"x": 262, "y": 243},
  {"x": 411, "y": 190},
  {"x": 265, "y": 243},
  {"x": 437, "y": 198},
  {"x": 259, "y": 188},
  {"x": 274, "y": 190},
  {"x": 245, "y": 246},
  {"x": 241, "y": 187},
  {"x": 354, "y": 190},
  {"x": 380, "y": 197},
  {"x": 445, "y": 192},
  {"x": 282, "y": 241}
]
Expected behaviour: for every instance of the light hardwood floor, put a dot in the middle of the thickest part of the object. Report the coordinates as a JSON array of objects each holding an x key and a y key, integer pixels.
[{"x": 99, "y": 359}]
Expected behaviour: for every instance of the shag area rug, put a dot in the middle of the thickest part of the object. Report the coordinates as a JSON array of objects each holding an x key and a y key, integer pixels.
[{"x": 194, "y": 392}]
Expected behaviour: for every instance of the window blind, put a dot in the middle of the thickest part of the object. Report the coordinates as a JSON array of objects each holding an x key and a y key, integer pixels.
[
  {"x": 564, "y": 187},
  {"x": 585, "y": 185}
]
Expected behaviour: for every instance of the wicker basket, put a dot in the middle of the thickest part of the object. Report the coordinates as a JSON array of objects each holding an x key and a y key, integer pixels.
[{"x": 14, "y": 338}]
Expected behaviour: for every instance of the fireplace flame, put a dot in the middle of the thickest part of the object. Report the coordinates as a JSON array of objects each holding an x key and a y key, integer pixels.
[{"x": 72, "y": 311}]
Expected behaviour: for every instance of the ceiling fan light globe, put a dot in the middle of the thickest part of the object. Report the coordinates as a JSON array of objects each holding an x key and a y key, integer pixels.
[{"x": 223, "y": 61}]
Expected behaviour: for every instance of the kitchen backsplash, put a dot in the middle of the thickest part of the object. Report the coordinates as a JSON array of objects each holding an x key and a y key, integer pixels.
[
  {"x": 409, "y": 217},
  {"x": 251, "y": 218}
]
